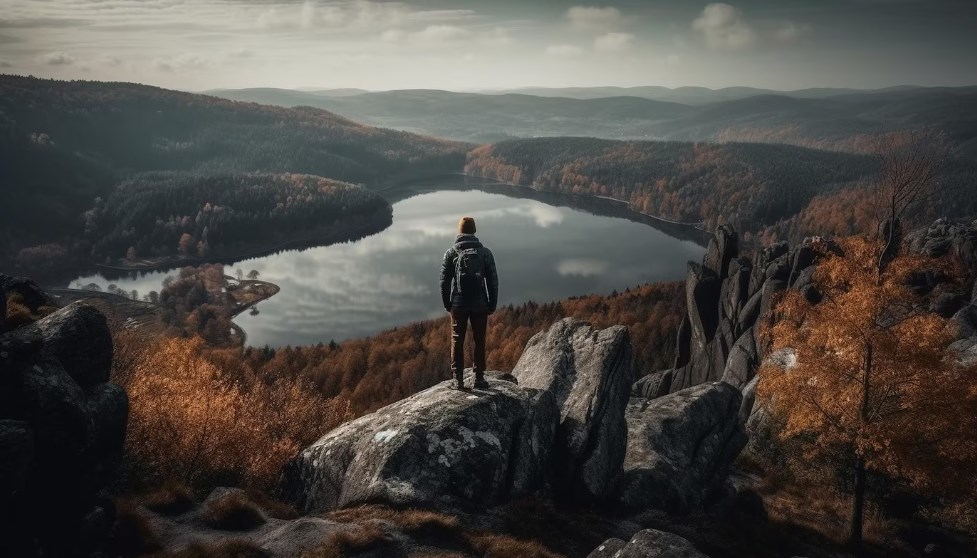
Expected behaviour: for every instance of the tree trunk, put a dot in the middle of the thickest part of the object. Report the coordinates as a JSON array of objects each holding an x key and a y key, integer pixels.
[{"x": 858, "y": 506}]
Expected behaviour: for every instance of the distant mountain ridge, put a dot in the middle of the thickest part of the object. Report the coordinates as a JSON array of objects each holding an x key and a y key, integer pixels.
[{"x": 827, "y": 118}]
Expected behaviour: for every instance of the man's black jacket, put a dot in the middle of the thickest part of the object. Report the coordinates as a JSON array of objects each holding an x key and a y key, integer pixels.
[{"x": 484, "y": 300}]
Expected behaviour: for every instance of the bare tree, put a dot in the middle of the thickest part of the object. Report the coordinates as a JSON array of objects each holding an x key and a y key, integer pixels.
[{"x": 911, "y": 165}]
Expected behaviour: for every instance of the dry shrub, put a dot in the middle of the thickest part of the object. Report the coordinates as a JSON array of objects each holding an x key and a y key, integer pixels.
[
  {"x": 18, "y": 315},
  {"x": 502, "y": 546},
  {"x": 423, "y": 524},
  {"x": 827, "y": 513},
  {"x": 133, "y": 533},
  {"x": 226, "y": 549},
  {"x": 410, "y": 521},
  {"x": 233, "y": 512},
  {"x": 170, "y": 499},
  {"x": 200, "y": 418},
  {"x": 361, "y": 537}
]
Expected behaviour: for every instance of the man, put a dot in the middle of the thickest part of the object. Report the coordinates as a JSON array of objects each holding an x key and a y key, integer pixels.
[{"x": 470, "y": 292}]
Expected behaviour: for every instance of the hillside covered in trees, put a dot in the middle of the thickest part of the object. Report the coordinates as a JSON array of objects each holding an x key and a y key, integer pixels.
[
  {"x": 759, "y": 188},
  {"x": 63, "y": 144},
  {"x": 193, "y": 216}
]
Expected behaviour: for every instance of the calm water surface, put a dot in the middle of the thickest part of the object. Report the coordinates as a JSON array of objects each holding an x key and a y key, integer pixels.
[{"x": 543, "y": 252}]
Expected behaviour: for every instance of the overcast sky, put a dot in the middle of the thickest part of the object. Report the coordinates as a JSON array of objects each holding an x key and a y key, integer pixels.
[{"x": 470, "y": 45}]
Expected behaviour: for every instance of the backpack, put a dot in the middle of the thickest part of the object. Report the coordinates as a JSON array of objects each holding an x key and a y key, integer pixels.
[{"x": 470, "y": 272}]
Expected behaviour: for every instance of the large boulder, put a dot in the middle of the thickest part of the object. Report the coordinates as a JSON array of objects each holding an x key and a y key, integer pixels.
[
  {"x": 588, "y": 372},
  {"x": 62, "y": 428},
  {"x": 440, "y": 447},
  {"x": 79, "y": 337},
  {"x": 680, "y": 446},
  {"x": 649, "y": 543}
]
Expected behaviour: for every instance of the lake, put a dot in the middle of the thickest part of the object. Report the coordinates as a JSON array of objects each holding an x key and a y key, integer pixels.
[{"x": 544, "y": 251}]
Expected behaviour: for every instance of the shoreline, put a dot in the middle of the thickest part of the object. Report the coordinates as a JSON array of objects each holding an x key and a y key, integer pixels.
[
  {"x": 696, "y": 226},
  {"x": 315, "y": 240}
]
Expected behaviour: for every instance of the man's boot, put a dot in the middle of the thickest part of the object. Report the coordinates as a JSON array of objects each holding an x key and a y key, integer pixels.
[
  {"x": 460, "y": 381},
  {"x": 480, "y": 382}
]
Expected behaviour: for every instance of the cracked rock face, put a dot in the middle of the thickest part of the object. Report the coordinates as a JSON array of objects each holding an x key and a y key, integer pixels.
[
  {"x": 440, "y": 447},
  {"x": 588, "y": 371},
  {"x": 680, "y": 446}
]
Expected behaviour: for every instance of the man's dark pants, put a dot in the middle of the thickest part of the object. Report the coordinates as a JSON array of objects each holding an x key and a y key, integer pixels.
[{"x": 459, "y": 326}]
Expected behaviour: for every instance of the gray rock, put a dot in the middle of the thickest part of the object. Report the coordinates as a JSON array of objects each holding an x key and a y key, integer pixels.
[
  {"x": 608, "y": 549},
  {"x": 723, "y": 247},
  {"x": 588, "y": 372},
  {"x": 749, "y": 400},
  {"x": 965, "y": 320},
  {"x": 702, "y": 300},
  {"x": 79, "y": 337},
  {"x": 653, "y": 385},
  {"x": 751, "y": 310},
  {"x": 57, "y": 410},
  {"x": 741, "y": 366},
  {"x": 16, "y": 455},
  {"x": 683, "y": 342},
  {"x": 440, "y": 447},
  {"x": 680, "y": 446},
  {"x": 649, "y": 543}
]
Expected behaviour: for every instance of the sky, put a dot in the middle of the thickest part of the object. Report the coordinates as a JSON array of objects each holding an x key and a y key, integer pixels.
[{"x": 473, "y": 45}]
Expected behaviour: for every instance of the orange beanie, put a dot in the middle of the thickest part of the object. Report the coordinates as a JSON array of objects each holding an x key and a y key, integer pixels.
[{"x": 466, "y": 225}]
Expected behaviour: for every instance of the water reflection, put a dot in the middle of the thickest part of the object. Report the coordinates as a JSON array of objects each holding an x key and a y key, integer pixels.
[{"x": 354, "y": 289}]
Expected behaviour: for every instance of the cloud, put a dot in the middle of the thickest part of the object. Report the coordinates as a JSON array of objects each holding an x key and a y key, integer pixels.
[
  {"x": 393, "y": 35},
  {"x": 58, "y": 59},
  {"x": 5, "y": 64},
  {"x": 440, "y": 33},
  {"x": 582, "y": 267},
  {"x": 109, "y": 60},
  {"x": 592, "y": 17},
  {"x": 789, "y": 31},
  {"x": 563, "y": 50},
  {"x": 182, "y": 62},
  {"x": 723, "y": 27},
  {"x": 241, "y": 52},
  {"x": 613, "y": 42}
]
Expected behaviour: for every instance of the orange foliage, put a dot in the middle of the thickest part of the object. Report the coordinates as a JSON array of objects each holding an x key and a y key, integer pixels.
[
  {"x": 198, "y": 417},
  {"x": 871, "y": 379}
]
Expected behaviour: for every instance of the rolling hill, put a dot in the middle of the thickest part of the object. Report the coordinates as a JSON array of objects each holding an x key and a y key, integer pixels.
[
  {"x": 840, "y": 119},
  {"x": 64, "y": 144}
]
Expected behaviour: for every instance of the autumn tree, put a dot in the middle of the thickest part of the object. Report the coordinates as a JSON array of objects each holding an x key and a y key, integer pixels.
[{"x": 869, "y": 382}]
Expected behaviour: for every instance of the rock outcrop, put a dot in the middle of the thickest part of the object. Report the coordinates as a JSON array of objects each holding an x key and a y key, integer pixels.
[
  {"x": 680, "y": 446},
  {"x": 649, "y": 543},
  {"x": 62, "y": 425},
  {"x": 588, "y": 372},
  {"x": 438, "y": 448}
]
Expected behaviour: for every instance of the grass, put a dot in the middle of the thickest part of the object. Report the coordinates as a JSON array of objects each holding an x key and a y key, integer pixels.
[
  {"x": 233, "y": 512},
  {"x": 362, "y": 537},
  {"x": 133, "y": 533},
  {"x": 170, "y": 499},
  {"x": 423, "y": 527},
  {"x": 226, "y": 549}
]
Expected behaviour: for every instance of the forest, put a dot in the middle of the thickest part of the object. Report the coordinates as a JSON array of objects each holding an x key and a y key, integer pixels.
[
  {"x": 770, "y": 192},
  {"x": 65, "y": 143},
  {"x": 193, "y": 215}
]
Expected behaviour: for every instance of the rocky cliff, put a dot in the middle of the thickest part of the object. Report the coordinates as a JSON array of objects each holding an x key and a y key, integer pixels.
[
  {"x": 62, "y": 425},
  {"x": 562, "y": 424}
]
